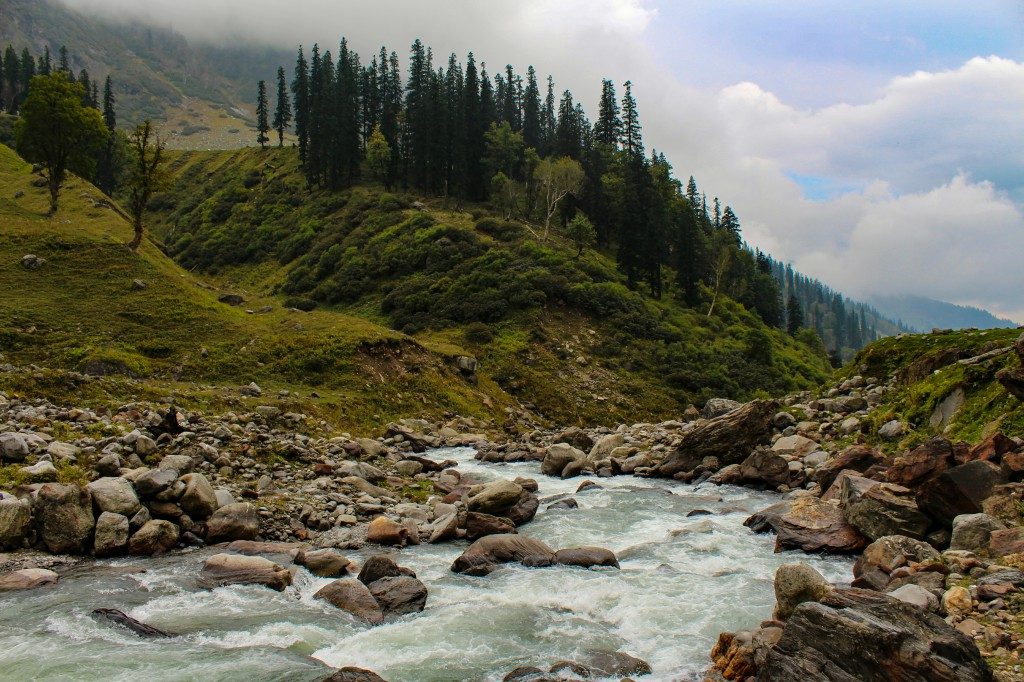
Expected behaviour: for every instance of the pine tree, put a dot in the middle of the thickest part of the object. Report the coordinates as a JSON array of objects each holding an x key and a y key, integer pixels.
[
  {"x": 64, "y": 63},
  {"x": 283, "y": 112},
  {"x": 731, "y": 224},
  {"x": 568, "y": 132},
  {"x": 45, "y": 62},
  {"x": 300, "y": 90},
  {"x": 608, "y": 128},
  {"x": 83, "y": 79},
  {"x": 549, "y": 122},
  {"x": 262, "y": 126},
  {"x": 106, "y": 166},
  {"x": 10, "y": 79},
  {"x": 532, "y": 125},
  {"x": 632, "y": 142}
]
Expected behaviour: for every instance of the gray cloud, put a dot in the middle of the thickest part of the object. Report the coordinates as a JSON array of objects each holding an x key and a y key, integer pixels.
[{"x": 933, "y": 165}]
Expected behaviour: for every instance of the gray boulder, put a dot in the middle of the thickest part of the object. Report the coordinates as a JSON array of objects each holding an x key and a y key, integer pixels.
[
  {"x": 972, "y": 532},
  {"x": 558, "y": 457},
  {"x": 115, "y": 495},
  {"x": 238, "y": 569},
  {"x": 64, "y": 517},
  {"x": 796, "y": 584},
  {"x": 399, "y": 595},
  {"x": 111, "y": 537},
  {"x": 238, "y": 521},
  {"x": 15, "y": 521},
  {"x": 354, "y": 597},
  {"x": 13, "y": 447},
  {"x": 155, "y": 537},
  {"x": 199, "y": 499}
]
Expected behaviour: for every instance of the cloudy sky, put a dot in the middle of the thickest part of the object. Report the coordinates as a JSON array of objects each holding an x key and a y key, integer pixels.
[{"x": 878, "y": 146}]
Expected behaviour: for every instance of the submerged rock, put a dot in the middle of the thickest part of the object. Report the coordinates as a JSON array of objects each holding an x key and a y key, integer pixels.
[
  {"x": 586, "y": 557},
  {"x": 350, "y": 674},
  {"x": 126, "y": 621},
  {"x": 399, "y": 595}
]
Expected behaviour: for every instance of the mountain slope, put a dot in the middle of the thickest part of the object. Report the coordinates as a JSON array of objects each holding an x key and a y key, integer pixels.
[
  {"x": 557, "y": 331},
  {"x": 925, "y": 314},
  {"x": 202, "y": 93},
  {"x": 81, "y": 311}
]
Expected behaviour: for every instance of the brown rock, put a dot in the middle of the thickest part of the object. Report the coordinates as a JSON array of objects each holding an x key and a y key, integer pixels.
[
  {"x": 921, "y": 464},
  {"x": 479, "y": 525},
  {"x": 399, "y": 595},
  {"x": 586, "y": 557},
  {"x": 27, "y": 579},
  {"x": 155, "y": 537},
  {"x": 354, "y": 597},
  {"x": 765, "y": 466},
  {"x": 384, "y": 531},
  {"x": 381, "y": 566},
  {"x": 236, "y": 521},
  {"x": 854, "y": 458},
  {"x": 959, "y": 490},
  {"x": 808, "y": 524},
  {"x": 65, "y": 518},
  {"x": 326, "y": 563},
  {"x": 486, "y": 553},
  {"x": 991, "y": 449},
  {"x": 730, "y": 438},
  {"x": 1009, "y": 541},
  {"x": 238, "y": 569},
  {"x": 350, "y": 674}
]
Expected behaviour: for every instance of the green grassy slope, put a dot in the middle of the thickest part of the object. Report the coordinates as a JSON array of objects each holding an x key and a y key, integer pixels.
[
  {"x": 927, "y": 370},
  {"x": 173, "y": 338},
  {"x": 557, "y": 331}
]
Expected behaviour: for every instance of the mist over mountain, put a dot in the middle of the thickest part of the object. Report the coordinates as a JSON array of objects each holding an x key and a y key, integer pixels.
[{"x": 924, "y": 314}]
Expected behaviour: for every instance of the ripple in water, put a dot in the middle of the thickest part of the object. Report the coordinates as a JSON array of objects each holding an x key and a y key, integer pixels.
[{"x": 683, "y": 580}]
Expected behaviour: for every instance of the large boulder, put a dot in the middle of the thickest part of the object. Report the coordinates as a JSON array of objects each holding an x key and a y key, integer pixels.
[
  {"x": 111, "y": 537},
  {"x": 891, "y": 552},
  {"x": 857, "y": 458},
  {"x": 354, "y": 597},
  {"x": 796, "y": 584},
  {"x": 766, "y": 467},
  {"x": 558, "y": 457},
  {"x": 808, "y": 524},
  {"x": 795, "y": 445},
  {"x": 1012, "y": 380},
  {"x": 972, "y": 532},
  {"x": 495, "y": 498},
  {"x": 880, "y": 512},
  {"x": 852, "y": 634},
  {"x": 602, "y": 450},
  {"x": 64, "y": 517},
  {"x": 156, "y": 536},
  {"x": 27, "y": 579},
  {"x": 399, "y": 595},
  {"x": 481, "y": 525},
  {"x": 115, "y": 495},
  {"x": 716, "y": 407},
  {"x": 15, "y": 521},
  {"x": 384, "y": 531},
  {"x": 730, "y": 438},
  {"x": 523, "y": 510},
  {"x": 13, "y": 447},
  {"x": 381, "y": 566},
  {"x": 921, "y": 464},
  {"x": 484, "y": 555},
  {"x": 959, "y": 490},
  {"x": 199, "y": 499},
  {"x": 586, "y": 557},
  {"x": 238, "y": 521},
  {"x": 153, "y": 482},
  {"x": 238, "y": 569}
]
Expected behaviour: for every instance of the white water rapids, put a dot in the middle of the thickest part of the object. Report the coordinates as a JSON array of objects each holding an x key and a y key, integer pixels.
[{"x": 683, "y": 580}]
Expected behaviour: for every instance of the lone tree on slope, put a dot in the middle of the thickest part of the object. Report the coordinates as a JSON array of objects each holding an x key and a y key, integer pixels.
[
  {"x": 262, "y": 116},
  {"x": 57, "y": 130}
]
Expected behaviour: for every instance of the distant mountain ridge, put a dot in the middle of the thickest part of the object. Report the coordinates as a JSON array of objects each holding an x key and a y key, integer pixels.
[{"x": 924, "y": 314}]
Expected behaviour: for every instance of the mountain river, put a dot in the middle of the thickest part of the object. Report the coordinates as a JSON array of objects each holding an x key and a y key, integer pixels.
[{"x": 683, "y": 580}]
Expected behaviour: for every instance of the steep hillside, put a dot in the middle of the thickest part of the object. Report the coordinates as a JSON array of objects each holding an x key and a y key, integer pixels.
[
  {"x": 558, "y": 331},
  {"x": 945, "y": 383},
  {"x": 169, "y": 336},
  {"x": 202, "y": 93}
]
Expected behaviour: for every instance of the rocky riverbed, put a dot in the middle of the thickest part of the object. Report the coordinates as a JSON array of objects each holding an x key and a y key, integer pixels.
[{"x": 607, "y": 552}]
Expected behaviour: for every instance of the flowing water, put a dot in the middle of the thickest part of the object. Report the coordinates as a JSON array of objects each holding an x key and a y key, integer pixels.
[{"x": 683, "y": 580}]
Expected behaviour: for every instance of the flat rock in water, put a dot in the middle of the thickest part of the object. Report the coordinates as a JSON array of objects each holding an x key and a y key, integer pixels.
[
  {"x": 486, "y": 553},
  {"x": 238, "y": 569},
  {"x": 354, "y": 597},
  {"x": 27, "y": 579}
]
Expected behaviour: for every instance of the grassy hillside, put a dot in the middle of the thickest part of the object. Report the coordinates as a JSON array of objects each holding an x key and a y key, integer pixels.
[
  {"x": 557, "y": 331},
  {"x": 80, "y": 310},
  {"x": 203, "y": 94},
  {"x": 927, "y": 371}
]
